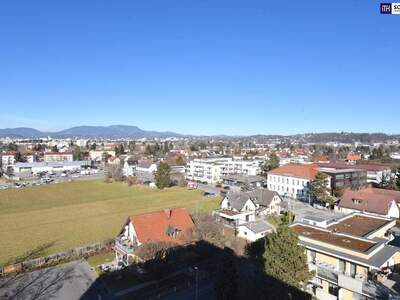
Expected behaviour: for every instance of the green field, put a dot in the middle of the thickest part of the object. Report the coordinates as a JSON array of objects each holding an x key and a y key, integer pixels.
[{"x": 78, "y": 213}]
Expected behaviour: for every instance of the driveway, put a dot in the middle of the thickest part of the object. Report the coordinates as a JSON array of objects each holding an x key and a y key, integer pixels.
[
  {"x": 301, "y": 209},
  {"x": 208, "y": 188},
  {"x": 65, "y": 282}
]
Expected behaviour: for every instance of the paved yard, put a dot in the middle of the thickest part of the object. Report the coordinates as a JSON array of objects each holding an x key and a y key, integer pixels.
[
  {"x": 65, "y": 282},
  {"x": 301, "y": 209}
]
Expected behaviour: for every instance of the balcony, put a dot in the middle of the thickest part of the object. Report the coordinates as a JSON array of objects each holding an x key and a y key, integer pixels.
[
  {"x": 359, "y": 284},
  {"x": 123, "y": 244},
  {"x": 327, "y": 272}
]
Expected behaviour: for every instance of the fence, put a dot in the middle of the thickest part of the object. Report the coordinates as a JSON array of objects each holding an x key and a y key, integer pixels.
[{"x": 56, "y": 258}]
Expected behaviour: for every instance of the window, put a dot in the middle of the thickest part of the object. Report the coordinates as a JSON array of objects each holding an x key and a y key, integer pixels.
[
  {"x": 333, "y": 289},
  {"x": 312, "y": 255},
  {"x": 352, "y": 270},
  {"x": 342, "y": 266}
]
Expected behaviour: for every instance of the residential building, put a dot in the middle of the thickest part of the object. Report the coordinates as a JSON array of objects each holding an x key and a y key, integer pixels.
[
  {"x": 98, "y": 155},
  {"x": 211, "y": 170},
  {"x": 350, "y": 257},
  {"x": 375, "y": 172},
  {"x": 342, "y": 179},
  {"x": 169, "y": 225},
  {"x": 353, "y": 157},
  {"x": 7, "y": 159},
  {"x": 371, "y": 201},
  {"x": 253, "y": 230},
  {"x": 242, "y": 207},
  {"x": 244, "y": 181},
  {"x": 292, "y": 180},
  {"x": 147, "y": 166},
  {"x": 57, "y": 156}
]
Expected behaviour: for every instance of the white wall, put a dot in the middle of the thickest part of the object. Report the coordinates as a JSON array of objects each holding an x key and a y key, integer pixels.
[{"x": 244, "y": 232}]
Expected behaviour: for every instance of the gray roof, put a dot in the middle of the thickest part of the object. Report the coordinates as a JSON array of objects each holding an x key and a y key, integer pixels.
[
  {"x": 263, "y": 197},
  {"x": 258, "y": 226},
  {"x": 51, "y": 164},
  {"x": 237, "y": 200},
  {"x": 244, "y": 178},
  {"x": 314, "y": 218}
]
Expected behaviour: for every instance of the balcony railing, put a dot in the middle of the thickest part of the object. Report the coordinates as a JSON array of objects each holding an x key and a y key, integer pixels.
[
  {"x": 327, "y": 273},
  {"x": 359, "y": 284},
  {"x": 124, "y": 245}
]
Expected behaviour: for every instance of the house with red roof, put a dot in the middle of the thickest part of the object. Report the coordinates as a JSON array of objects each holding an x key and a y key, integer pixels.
[
  {"x": 371, "y": 201},
  {"x": 168, "y": 225}
]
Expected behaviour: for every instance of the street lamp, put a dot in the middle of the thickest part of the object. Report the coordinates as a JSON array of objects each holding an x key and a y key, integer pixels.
[{"x": 197, "y": 283}]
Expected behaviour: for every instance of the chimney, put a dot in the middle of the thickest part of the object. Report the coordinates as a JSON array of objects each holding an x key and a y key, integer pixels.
[{"x": 168, "y": 212}]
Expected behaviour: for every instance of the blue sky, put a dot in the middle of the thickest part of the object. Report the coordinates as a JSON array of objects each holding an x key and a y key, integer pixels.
[{"x": 200, "y": 67}]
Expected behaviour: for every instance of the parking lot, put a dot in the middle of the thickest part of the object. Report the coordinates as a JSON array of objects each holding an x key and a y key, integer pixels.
[{"x": 51, "y": 178}]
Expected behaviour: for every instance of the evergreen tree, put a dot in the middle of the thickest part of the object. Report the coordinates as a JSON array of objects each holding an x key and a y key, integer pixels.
[
  {"x": 19, "y": 157},
  {"x": 285, "y": 260},
  {"x": 397, "y": 179},
  {"x": 319, "y": 190},
  {"x": 77, "y": 154},
  {"x": 163, "y": 177},
  {"x": 273, "y": 161}
]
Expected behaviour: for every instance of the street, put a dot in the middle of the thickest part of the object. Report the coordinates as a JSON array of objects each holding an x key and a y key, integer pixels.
[{"x": 69, "y": 281}]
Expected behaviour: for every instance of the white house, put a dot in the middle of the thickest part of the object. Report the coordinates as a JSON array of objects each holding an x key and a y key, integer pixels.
[
  {"x": 242, "y": 207},
  {"x": 97, "y": 155},
  {"x": 253, "y": 230},
  {"x": 147, "y": 166}
]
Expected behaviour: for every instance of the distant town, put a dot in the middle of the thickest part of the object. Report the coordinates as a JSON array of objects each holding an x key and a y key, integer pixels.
[{"x": 195, "y": 213}]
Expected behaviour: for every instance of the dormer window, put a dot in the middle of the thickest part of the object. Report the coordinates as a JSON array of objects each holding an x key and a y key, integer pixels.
[{"x": 172, "y": 231}]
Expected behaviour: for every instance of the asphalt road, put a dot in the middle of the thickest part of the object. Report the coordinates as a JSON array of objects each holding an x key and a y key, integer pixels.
[
  {"x": 69, "y": 281},
  {"x": 301, "y": 209},
  {"x": 209, "y": 188}
]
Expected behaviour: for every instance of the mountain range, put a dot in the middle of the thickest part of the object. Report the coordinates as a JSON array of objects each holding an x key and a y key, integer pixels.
[
  {"x": 113, "y": 131},
  {"x": 125, "y": 131}
]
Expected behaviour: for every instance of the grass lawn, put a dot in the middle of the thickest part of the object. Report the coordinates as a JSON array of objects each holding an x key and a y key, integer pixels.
[
  {"x": 82, "y": 212},
  {"x": 99, "y": 259}
]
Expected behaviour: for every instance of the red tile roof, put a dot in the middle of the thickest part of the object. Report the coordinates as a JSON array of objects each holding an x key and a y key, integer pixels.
[
  {"x": 308, "y": 171},
  {"x": 153, "y": 226},
  {"x": 370, "y": 200},
  {"x": 353, "y": 156}
]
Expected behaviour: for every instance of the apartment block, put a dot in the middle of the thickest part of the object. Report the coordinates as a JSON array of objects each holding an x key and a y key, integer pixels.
[{"x": 350, "y": 257}]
